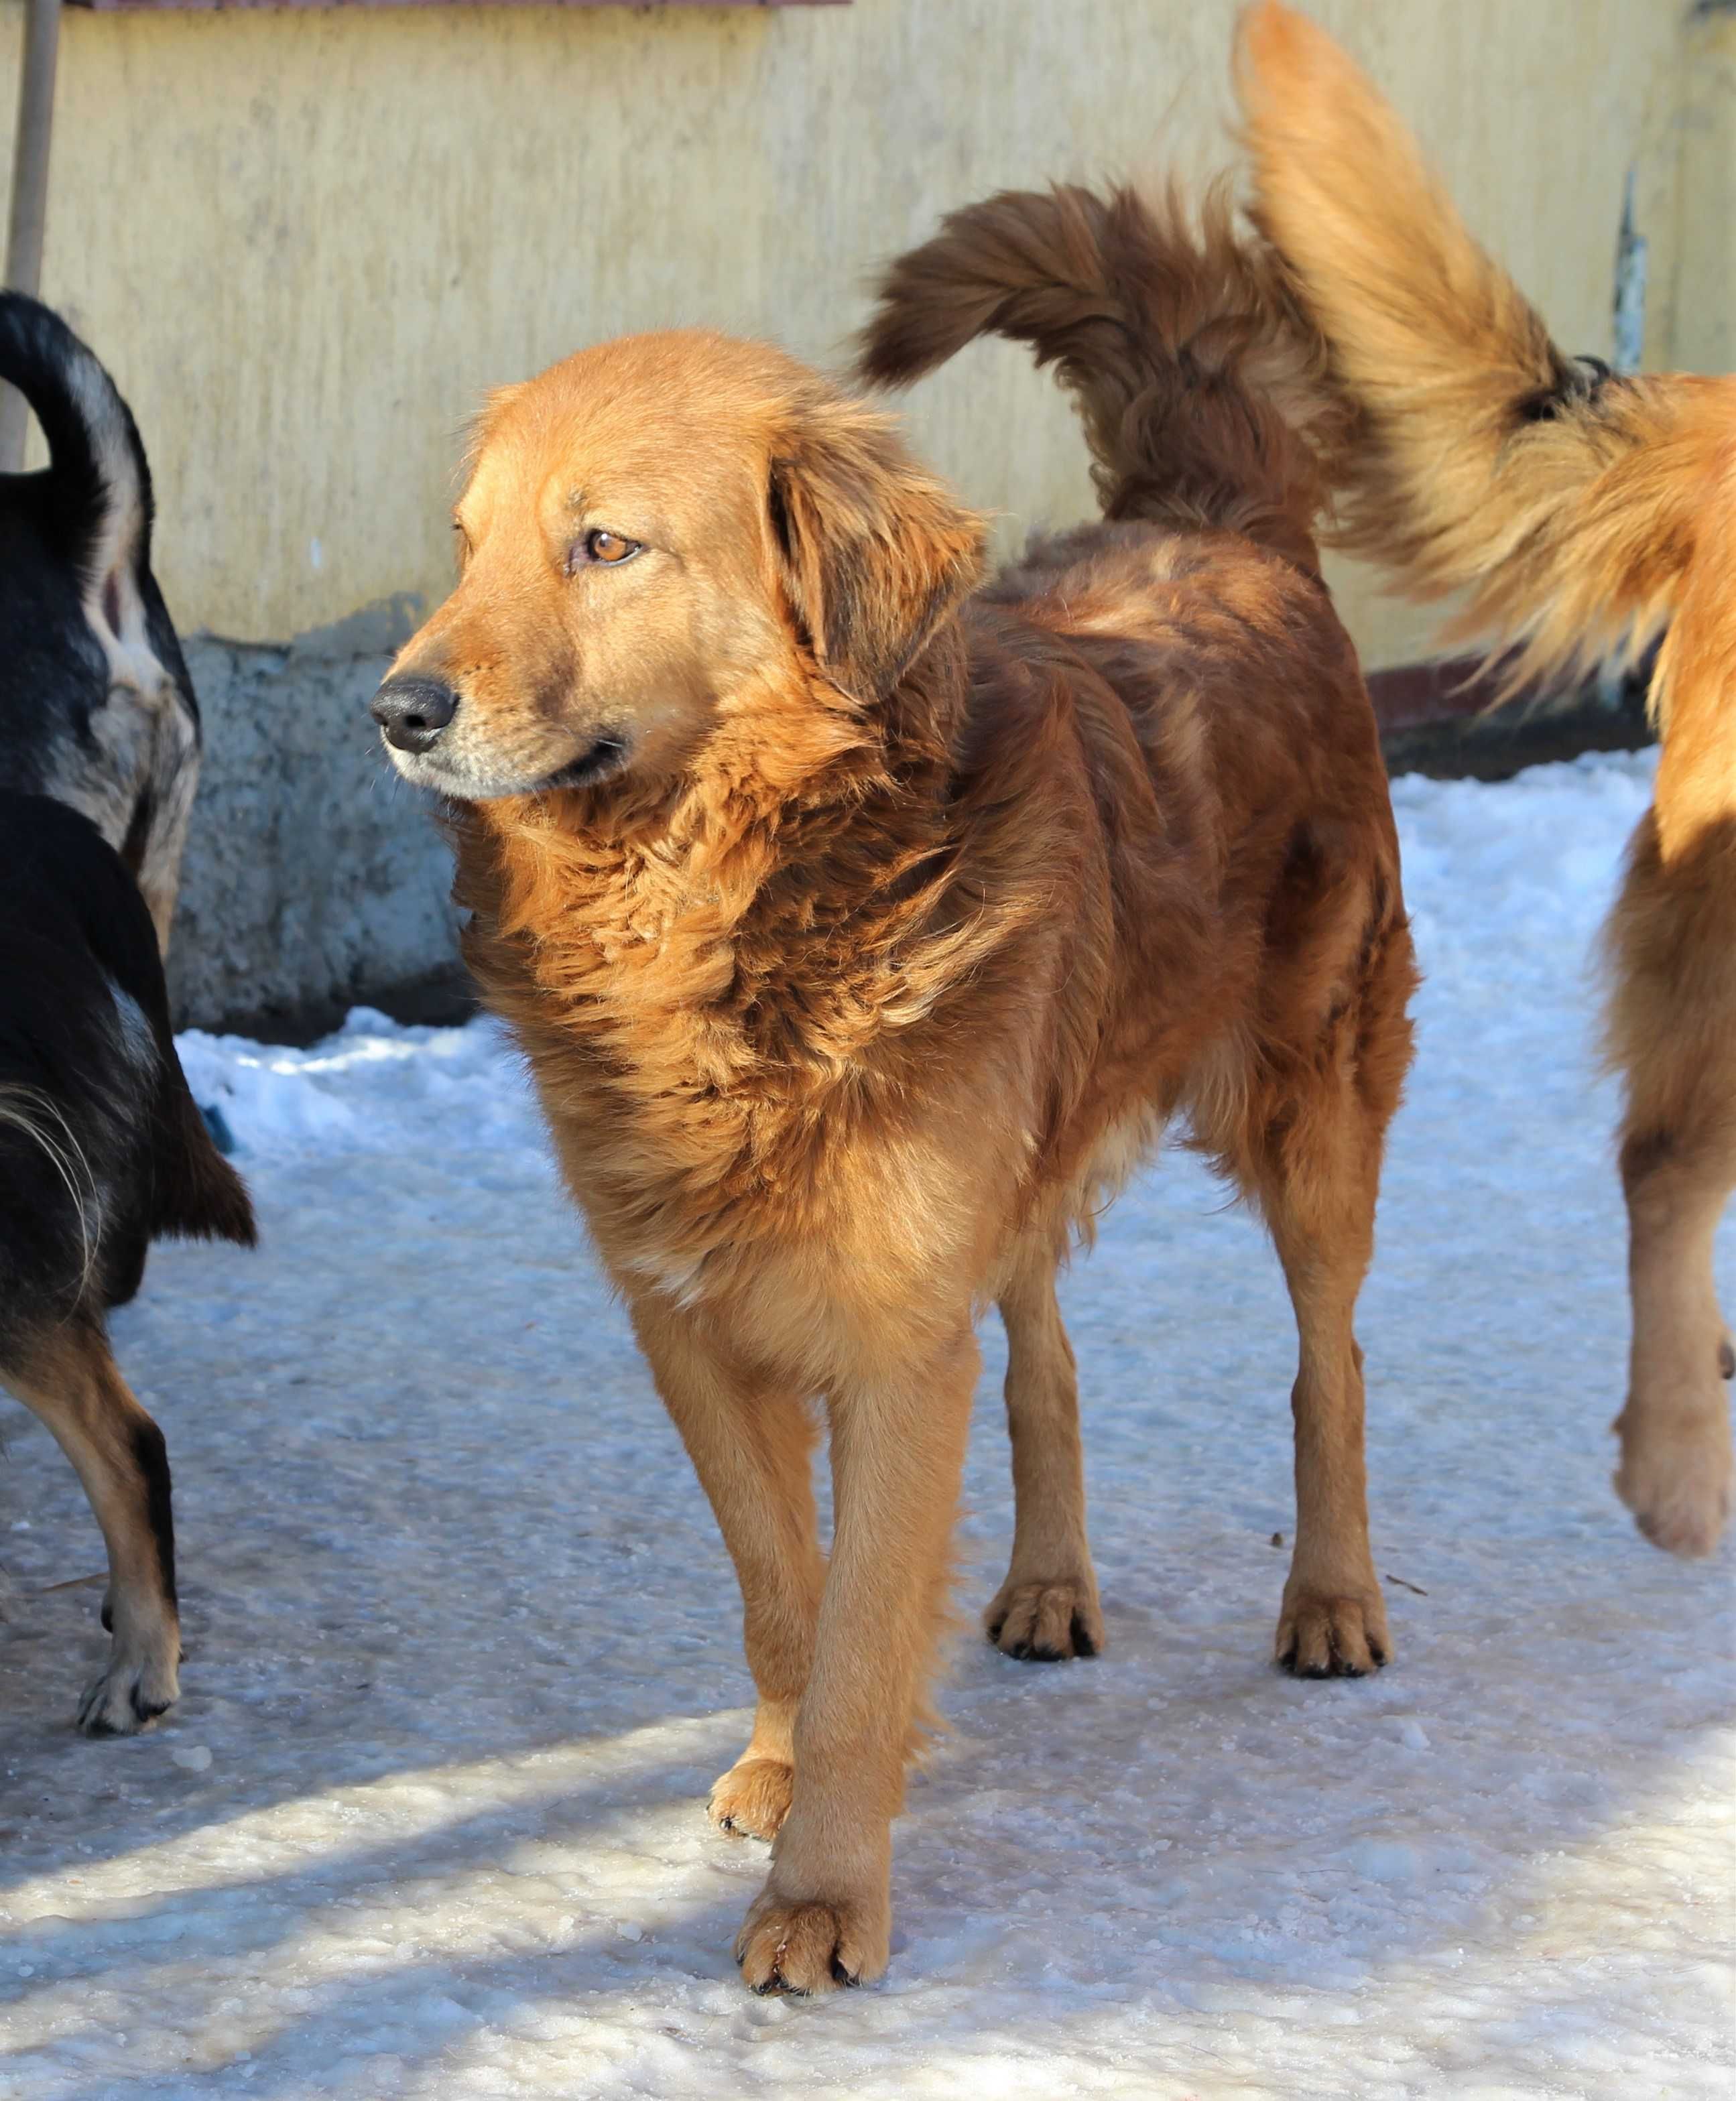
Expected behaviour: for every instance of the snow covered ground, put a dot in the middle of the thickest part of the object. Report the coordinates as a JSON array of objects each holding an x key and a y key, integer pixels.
[{"x": 463, "y": 1655}]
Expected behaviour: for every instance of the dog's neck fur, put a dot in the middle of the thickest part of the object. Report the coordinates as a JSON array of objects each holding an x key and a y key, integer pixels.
[{"x": 682, "y": 934}]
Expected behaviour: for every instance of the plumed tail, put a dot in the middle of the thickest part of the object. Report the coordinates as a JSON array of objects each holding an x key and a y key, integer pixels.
[
  {"x": 1197, "y": 378},
  {"x": 1560, "y": 497}
]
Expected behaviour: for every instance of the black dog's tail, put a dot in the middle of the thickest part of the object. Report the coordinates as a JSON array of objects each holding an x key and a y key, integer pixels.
[
  {"x": 99, "y": 485},
  {"x": 1200, "y": 383},
  {"x": 199, "y": 1195}
]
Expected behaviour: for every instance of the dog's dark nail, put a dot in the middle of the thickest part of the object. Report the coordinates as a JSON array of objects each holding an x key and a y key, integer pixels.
[
  {"x": 1726, "y": 1360},
  {"x": 840, "y": 1975},
  {"x": 1082, "y": 1643}
]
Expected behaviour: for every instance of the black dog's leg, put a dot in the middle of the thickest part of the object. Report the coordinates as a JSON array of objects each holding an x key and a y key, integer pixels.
[{"x": 71, "y": 1381}]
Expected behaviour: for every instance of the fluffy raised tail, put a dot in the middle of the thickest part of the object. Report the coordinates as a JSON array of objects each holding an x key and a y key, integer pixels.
[
  {"x": 1199, "y": 381},
  {"x": 1561, "y": 498}
]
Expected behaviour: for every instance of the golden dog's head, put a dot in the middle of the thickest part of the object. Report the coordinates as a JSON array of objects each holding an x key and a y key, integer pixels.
[{"x": 653, "y": 530}]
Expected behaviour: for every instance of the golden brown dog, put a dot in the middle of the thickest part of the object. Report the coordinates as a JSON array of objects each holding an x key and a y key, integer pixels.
[
  {"x": 862, "y": 932},
  {"x": 1582, "y": 512}
]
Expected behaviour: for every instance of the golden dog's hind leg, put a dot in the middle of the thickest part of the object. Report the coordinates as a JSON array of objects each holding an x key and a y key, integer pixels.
[
  {"x": 1048, "y": 1609},
  {"x": 1332, "y": 1622},
  {"x": 1314, "y": 1161},
  {"x": 69, "y": 1379},
  {"x": 1672, "y": 1031},
  {"x": 824, "y": 1917},
  {"x": 752, "y": 1449}
]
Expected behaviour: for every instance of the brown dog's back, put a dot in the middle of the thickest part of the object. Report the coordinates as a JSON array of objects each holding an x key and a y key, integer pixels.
[{"x": 1190, "y": 630}]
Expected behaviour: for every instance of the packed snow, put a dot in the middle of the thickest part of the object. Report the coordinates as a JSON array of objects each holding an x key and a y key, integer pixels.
[{"x": 463, "y": 1653}]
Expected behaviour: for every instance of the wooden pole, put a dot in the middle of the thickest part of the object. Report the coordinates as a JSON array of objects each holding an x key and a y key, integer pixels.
[{"x": 30, "y": 208}]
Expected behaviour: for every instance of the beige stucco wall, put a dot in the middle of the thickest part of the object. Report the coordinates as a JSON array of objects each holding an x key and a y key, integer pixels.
[
  {"x": 306, "y": 242},
  {"x": 1697, "y": 308}
]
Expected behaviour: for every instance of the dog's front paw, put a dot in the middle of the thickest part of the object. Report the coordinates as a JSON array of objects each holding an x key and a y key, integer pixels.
[
  {"x": 1674, "y": 1474},
  {"x": 1046, "y": 1622},
  {"x": 139, "y": 1684},
  {"x": 1332, "y": 1634},
  {"x": 752, "y": 1799},
  {"x": 813, "y": 1946}
]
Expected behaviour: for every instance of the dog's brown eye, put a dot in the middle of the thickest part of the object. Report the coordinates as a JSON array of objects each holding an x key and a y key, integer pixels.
[{"x": 610, "y": 549}]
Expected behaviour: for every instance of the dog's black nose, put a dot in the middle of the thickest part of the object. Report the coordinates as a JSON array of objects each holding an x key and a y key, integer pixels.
[{"x": 413, "y": 711}]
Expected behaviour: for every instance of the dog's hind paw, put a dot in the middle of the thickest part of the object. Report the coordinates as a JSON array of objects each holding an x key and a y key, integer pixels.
[{"x": 133, "y": 1691}]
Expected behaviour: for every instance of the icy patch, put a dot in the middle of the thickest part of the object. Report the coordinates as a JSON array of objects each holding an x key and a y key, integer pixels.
[{"x": 374, "y": 1087}]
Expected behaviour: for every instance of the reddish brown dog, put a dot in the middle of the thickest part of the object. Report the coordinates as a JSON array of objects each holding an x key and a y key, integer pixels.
[{"x": 862, "y": 931}]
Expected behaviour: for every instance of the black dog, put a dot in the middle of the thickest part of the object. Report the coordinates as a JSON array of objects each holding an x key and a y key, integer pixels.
[
  {"x": 102, "y": 1150},
  {"x": 96, "y": 708}
]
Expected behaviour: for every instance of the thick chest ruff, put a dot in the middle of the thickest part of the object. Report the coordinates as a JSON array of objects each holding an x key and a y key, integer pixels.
[
  {"x": 754, "y": 1027},
  {"x": 879, "y": 1026}
]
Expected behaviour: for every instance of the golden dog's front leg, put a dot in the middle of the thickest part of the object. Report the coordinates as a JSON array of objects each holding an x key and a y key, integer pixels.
[
  {"x": 825, "y": 1916},
  {"x": 1676, "y": 1465},
  {"x": 751, "y": 1444}
]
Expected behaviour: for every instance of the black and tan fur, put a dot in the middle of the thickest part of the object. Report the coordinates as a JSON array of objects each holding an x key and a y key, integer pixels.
[
  {"x": 96, "y": 706},
  {"x": 102, "y": 1150}
]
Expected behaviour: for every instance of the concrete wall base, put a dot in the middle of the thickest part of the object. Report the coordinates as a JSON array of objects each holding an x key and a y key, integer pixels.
[{"x": 314, "y": 878}]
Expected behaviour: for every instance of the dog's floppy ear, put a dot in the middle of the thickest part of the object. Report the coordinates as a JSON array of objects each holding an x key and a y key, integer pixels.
[{"x": 874, "y": 552}]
